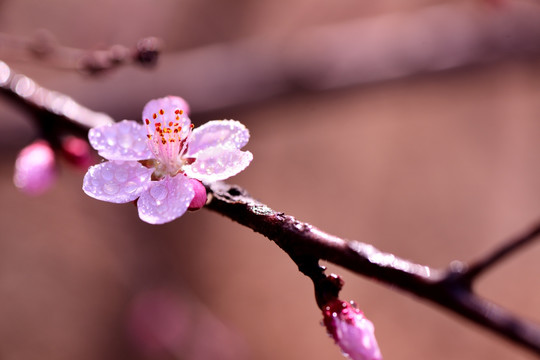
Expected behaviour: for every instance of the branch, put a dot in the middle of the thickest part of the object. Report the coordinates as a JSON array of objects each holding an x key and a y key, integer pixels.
[
  {"x": 53, "y": 112},
  {"x": 484, "y": 264},
  {"x": 306, "y": 244}
]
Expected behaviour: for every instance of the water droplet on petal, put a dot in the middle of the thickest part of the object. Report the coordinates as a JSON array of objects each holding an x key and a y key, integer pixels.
[
  {"x": 110, "y": 188},
  {"x": 107, "y": 174},
  {"x": 159, "y": 192},
  {"x": 121, "y": 174},
  {"x": 125, "y": 140},
  {"x": 162, "y": 208},
  {"x": 111, "y": 137},
  {"x": 139, "y": 146},
  {"x": 130, "y": 187}
]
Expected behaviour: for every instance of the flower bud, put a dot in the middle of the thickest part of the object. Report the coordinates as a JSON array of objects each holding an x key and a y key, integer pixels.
[
  {"x": 77, "y": 152},
  {"x": 200, "y": 195},
  {"x": 35, "y": 168},
  {"x": 351, "y": 330}
]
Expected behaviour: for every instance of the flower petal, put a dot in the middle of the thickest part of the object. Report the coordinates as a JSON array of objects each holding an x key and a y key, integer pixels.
[
  {"x": 165, "y": 200},
  {"x": 116, "y": 181},
  {"x": 218, "y": 163},
  {"x": 227, "y": 133},
  {"x": 169, "y": 105},
  {"x": 125, "y": 140}
]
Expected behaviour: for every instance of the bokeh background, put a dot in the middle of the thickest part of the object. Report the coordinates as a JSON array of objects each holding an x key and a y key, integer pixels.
[{"x": 411, "y": 125}]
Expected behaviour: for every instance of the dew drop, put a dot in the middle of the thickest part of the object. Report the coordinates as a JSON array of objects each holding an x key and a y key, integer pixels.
[
  {"x": 139, "y": 146},
  {"x": 111, "y": 137},
  {"x": 124, "y": 127},
  {"x": 121, "y": 175},
  {"x": 125, "y": 140},
  {"x": 159, "y": 192},
  {"x": 161, "y": 208},
  {"x": 107, "y": 174},
  {"x": 130, "y": 187},
  {"x": 110, "y": 188}
]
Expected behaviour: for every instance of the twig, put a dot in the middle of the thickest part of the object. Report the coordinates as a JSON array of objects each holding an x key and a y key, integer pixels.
[
  {"x": 300, "y": 240},
  {"x": 54, "y": 112},
  {"x": 304, "y": 243},
  {"x": 506, "y": 249}
]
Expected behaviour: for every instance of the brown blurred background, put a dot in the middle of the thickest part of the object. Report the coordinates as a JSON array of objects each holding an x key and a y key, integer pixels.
[{"x": 412, "y": 125}]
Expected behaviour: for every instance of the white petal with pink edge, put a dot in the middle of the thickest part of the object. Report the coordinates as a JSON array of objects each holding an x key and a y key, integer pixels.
[
  {"x": 165, "y": 200},
  {"x": 226, "y": 133},
  {"x": 125, "y": 140},
  {"x": 116, "y": 181},
  {"x": 218, "y": 163}
]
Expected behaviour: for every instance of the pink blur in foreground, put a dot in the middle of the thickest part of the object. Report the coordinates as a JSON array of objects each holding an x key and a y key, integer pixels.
[{"x": 35, "y": 168}]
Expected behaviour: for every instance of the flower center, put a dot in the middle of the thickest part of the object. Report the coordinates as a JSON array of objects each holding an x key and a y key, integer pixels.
[{"x": 168, "y": 137}]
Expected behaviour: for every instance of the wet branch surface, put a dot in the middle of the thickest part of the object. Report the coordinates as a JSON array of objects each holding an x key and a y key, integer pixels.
[{"x": 305, "y": 244}]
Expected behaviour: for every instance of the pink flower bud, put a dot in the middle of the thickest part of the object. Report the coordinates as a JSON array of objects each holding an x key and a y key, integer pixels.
[
  {"x": 35, "y": 168},
  {"x": 77, "y": 152},
  {"x": 200, "y": 195},
  {"x": 351, "y": 330}
]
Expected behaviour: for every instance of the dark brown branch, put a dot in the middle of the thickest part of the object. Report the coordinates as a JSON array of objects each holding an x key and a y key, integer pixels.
[
  {"x": 448, "y": 289},
  {"x": 54, "y": 112},
  {"x": 499, "y": 254},
  {"x": 304, "y": 243}
]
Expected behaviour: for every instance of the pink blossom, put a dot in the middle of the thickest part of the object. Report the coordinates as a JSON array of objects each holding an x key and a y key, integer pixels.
[
  {"x": 35, "y": 168},
  {"x": 154, "y": 161},
  {"x": 351, "y": 330}
]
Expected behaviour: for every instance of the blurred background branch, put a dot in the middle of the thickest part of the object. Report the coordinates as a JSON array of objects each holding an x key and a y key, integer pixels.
[{"x": 358, "y": 51}]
